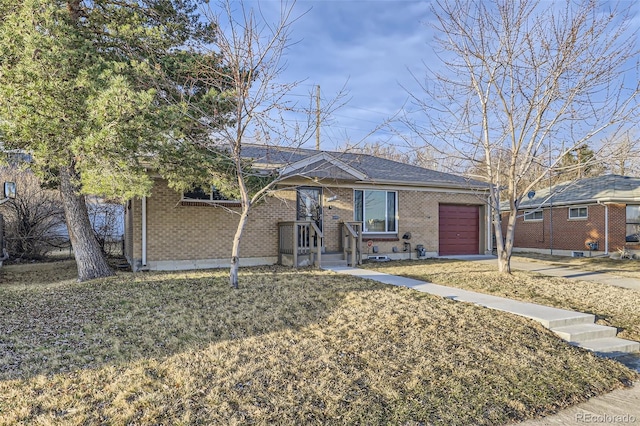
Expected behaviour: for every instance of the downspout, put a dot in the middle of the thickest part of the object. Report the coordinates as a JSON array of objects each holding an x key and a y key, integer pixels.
[
  {"x": 489, "y": 220},
  {"x": 144, "y": 232},
  {"x": 606, "y": 227}
]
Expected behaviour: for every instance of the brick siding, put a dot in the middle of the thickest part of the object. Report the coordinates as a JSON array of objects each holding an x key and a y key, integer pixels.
[
  {"x": 571, "y": 234},
  {"x": 179, "y": 232}
]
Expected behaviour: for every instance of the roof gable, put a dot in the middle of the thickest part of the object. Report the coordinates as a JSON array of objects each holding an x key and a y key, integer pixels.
[
  {"x": 351, "y": 166},
  {"x": 321, "y": 165}
]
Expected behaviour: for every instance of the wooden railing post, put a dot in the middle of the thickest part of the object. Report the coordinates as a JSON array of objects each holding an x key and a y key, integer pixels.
[
  {"x": 318, "y": 248},
  {"x": 359, "y": 248},
  {"x": 295, "y": 245}
]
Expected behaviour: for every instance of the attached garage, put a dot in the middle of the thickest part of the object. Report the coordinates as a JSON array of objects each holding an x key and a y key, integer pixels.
[{"x": 459, "y": 229}]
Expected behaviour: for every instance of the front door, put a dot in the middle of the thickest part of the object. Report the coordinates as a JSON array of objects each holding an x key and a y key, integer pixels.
[{"x": 309, "y": 206}]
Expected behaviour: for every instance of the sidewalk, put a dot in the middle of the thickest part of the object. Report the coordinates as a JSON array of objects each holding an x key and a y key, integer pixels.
[
  {"x": 575, "y": 327},
  {"x": 620, "y": 406}
]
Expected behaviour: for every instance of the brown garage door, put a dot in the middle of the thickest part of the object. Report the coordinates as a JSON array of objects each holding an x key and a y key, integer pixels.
[{"x": 459, "y": 229}]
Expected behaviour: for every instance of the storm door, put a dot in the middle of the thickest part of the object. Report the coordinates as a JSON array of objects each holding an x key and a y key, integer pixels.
[{"x": 309, "y": 206}]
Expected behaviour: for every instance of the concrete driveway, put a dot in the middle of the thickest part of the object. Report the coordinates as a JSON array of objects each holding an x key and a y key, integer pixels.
[{"x": 564, "y": 272}]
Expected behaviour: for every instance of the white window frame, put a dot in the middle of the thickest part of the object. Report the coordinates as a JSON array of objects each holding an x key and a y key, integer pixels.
[
  {"x": 577, "y": 209},
  {"x": 385, "y": 213},
  {"x": 529, "y": 216},
  {"x": 634, "y": 223}
]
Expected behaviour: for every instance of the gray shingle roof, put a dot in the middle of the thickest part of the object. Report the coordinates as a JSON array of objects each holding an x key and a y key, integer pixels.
[
  {"x": 608, "y": 188},
  {"x": 376, "y": 169}
]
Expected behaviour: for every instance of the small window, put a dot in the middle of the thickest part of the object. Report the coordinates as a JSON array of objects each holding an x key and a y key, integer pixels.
[
  {"x": 200, "y": 194},
  {"x": 578, "y": 213},
  {"x": 533, "y": 215},
  {"x": 633, "y": 224}
]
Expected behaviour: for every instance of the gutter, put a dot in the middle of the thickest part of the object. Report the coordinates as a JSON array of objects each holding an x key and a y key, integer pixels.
[
  {"x": 609, "y": 200},
  {"x": 433, "y": 184}
]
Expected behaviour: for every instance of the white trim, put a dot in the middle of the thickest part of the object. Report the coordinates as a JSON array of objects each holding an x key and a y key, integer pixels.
[
  {"x": 578, "y": 217},
  {"x": 290, "y": 168},
  {"x": 586, "y": 202},
  {"x": 530, "y": 212},
  {"x": 626, "y": 220},
  {"x": 446, "y": 186},
  {"x": 418, "y": 187},
  {"x": 397, "y": 216}
]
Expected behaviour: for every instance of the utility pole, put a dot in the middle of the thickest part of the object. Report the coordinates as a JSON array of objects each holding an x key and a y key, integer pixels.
[{"x": 318, "y": 118}]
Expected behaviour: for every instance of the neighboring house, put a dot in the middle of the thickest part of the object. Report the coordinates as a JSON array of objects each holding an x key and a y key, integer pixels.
[
  {"x": 599, "y": 213},
  {"x": 107, "y": 220},
  {"x": 355, "y": 205}
]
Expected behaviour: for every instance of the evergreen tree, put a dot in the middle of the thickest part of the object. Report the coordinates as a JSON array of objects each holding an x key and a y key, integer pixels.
[{"x": 96, "y": 92}]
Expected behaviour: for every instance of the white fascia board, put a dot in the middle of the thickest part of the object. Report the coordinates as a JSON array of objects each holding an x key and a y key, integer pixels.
[
  {"x": 590, "y": 201},
  {"x": 434, "y": 185}
]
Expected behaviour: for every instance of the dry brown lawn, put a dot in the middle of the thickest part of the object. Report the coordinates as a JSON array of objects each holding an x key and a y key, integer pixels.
[
  {"x": 288, "y": 347},
  {"x": 612, "y": 306}
]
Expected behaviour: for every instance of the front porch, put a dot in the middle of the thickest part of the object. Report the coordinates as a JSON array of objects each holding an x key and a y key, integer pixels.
[{"x": 301, "y": 243}]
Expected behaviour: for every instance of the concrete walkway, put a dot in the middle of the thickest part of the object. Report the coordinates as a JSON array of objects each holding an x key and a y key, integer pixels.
[
  {"x": 621, "y": 406},
  {"x": 575, "y": 327}
]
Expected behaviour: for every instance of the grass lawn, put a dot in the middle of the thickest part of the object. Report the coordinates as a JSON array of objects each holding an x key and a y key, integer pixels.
[
  {"x": 623, "y": 268},
  {"x": 612, "y": 306},
  {"x": 288, "y": 347}
]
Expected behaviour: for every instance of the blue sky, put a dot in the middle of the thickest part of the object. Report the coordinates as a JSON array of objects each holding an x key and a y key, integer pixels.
[
  {"x": 371, "y": 48},
  {"x": 367, "y": 47}
]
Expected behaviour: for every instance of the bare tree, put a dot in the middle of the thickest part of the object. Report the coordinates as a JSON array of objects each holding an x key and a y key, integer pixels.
[
  {"x": 621, "y": 155},
  {"x": 34, "y": 218},
  {"x": 249, "y": 51},
  {"x": 518, "y": 79}
]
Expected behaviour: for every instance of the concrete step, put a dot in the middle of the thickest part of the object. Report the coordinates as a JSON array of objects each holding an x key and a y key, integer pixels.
[
  {"x": 333, "y": 259},
  {"x": 333, "y": 256},
  {"x": 610, "y": 346},
  {"x": 333, "y": 263},
  {"x": 584, "y": 332},
  {"x": 576, "y": 318}
]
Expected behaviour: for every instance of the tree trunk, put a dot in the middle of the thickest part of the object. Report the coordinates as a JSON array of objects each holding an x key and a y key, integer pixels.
[
  {"x": 504, "y": 254},
  {"x": 504, "y": 262},
  {"x": 235, "y": 251},
  {"x": 89, "y": 258},
  {"x": 504, "y": 241}
]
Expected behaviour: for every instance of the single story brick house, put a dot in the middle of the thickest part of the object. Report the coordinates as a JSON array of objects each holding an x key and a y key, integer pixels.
[
  {"x": 600, "y": 214},
  {"x": 352, "y": 206}
]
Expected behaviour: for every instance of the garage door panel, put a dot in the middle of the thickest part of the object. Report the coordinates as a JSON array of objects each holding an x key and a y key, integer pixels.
[{"x": 459, "y": 229}]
